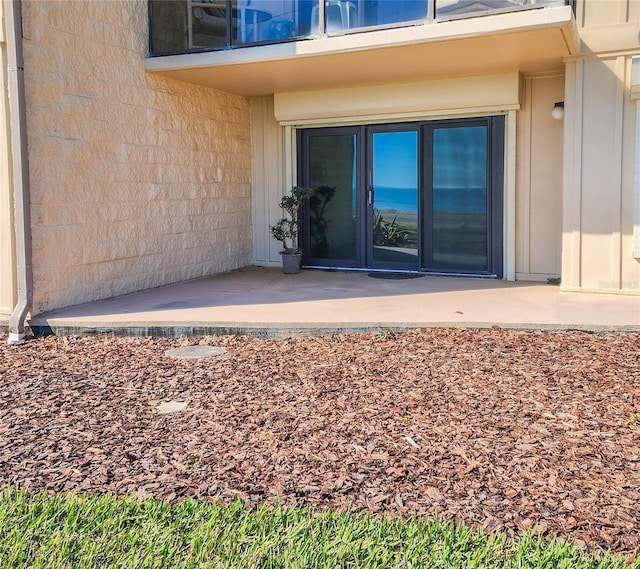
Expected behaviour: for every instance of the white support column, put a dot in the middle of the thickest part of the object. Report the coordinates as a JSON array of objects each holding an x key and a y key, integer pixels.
[
  {"x": 616, "y": 173},
  {"x": 572, "y": 179},
  {"x": 636, "y": 195},
  {"x": 510, "y": 198},
  {"x": 635, "y": 95}
]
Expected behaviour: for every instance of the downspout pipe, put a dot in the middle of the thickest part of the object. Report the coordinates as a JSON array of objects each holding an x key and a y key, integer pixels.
[{"x": 20, "y": 167}]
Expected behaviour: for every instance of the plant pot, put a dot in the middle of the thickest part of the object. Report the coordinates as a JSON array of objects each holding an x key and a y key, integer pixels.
[{"x": 291, "y": 263}]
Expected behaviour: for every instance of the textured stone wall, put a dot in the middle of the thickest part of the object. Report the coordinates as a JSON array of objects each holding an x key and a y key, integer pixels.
[{"x": 136, "y": 180}]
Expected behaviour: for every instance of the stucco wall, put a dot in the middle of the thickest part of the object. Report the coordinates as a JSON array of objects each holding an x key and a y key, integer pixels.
[
  {"x": 7, "y": 273},
  {"x": 136, "y": 180}
]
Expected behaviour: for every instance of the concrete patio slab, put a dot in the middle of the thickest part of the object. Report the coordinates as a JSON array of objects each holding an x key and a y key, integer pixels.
[{"x": 265, "y": 302}]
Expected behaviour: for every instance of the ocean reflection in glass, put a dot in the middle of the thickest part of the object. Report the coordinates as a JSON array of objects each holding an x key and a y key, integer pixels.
[
  {"x": 459, "y": 199},
  {"x": 395, "y": 205}
]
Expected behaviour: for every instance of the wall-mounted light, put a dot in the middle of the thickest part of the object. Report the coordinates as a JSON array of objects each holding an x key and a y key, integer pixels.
[{"x": 558, "y": 111}]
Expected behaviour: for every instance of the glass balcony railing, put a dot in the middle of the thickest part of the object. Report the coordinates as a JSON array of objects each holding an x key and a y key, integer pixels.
[{"x": 183, "y": 26}]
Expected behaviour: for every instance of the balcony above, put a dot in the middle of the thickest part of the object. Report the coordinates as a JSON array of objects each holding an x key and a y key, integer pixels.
[{"x": 516, "y": 35}]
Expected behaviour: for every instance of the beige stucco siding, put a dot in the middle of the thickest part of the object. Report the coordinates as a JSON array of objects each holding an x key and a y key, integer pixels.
[{"x": 136, "y": 180}]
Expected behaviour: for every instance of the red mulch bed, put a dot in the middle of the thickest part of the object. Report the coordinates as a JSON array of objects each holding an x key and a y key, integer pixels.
[{"x": 503, "y": 429}]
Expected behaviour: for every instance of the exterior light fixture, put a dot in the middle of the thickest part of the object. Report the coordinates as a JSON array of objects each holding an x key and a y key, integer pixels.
[{"x": 558, "y": 111}]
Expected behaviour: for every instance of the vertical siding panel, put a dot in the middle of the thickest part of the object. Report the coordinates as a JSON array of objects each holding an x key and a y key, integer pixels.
[
  {"x": 510, "y": 198},
  {"x": 275, "y": 145},
  {"x": 545, "y": 201},
  {"x": 258, "y": 109},
  {"x": 523, "y": 187},
  {"x": 267, "y": 170}
]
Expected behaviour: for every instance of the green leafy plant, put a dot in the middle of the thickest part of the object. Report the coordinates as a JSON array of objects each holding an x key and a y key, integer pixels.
[
  {"x": 286, "y": 230},
  {"x": 387, "y": 232},
  {"x": 386, "y": 334}
]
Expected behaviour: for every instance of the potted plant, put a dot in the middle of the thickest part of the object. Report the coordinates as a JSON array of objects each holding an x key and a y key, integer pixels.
[{"x": 286, "y": 230}]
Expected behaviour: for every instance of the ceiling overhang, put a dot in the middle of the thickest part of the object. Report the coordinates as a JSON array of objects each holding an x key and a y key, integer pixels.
[{"x": 526, "y": 41}]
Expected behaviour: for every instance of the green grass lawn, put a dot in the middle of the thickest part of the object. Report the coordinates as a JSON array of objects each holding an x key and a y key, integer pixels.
[{"x": 80, "y": 532}]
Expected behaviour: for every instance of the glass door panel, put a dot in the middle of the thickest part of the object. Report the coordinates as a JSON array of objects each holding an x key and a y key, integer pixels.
[
  {"x": 382, "y": 12},
  {"x": 394, "y": 199},
  {"x": 274, "y": 20},
  {"x": 331, "y": 217},
  {"x": 209, "y": 24},
  {"x": 343, "y": 15},
  {"x": 457, "y": 206}
]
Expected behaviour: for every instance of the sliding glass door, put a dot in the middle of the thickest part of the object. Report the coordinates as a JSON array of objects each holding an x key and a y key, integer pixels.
[
  {"x": 423, "y": 196},
  {"x": 463, "y": 187},
  {"x": 392, "y": 197},
  {"x": 332, "y": 233}
]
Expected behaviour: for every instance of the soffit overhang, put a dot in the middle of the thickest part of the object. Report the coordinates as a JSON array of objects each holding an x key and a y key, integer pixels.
[{"x": 526, "y": 41}]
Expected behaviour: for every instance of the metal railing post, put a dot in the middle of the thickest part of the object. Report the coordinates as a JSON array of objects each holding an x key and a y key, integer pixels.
[{"x": 321, "y": 17}]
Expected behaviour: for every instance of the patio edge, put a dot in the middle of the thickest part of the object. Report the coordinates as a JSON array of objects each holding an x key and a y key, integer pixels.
[{"x": 287, "y": 330}]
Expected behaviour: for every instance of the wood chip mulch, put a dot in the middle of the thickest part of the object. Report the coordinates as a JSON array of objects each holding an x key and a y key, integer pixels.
[{"x": 499, "y": 429}]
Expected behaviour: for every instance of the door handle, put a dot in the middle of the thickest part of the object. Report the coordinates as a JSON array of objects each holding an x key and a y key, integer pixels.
[{"x": 369, "y": 195}]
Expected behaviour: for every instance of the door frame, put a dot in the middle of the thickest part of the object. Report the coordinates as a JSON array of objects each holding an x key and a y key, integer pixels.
[
  {"x": 370, "y": 131},
  {"x": 495, "y": 185},
  {"x": 302, "y": 141},
  {"x": 499, "y": 181}
]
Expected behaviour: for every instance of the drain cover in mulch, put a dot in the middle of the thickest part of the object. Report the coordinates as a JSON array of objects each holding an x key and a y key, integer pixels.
[
  {"x": 195, "y": 352},
  {"x": 171, "y": 407},
  {"x": 395, "y": 276}
]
